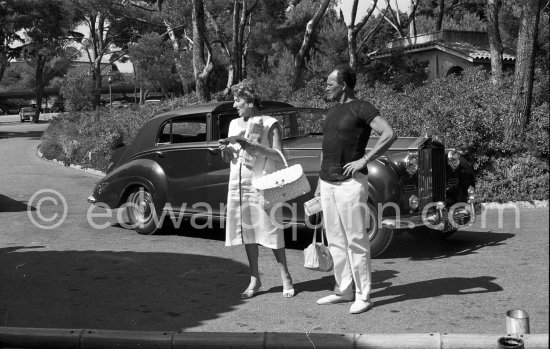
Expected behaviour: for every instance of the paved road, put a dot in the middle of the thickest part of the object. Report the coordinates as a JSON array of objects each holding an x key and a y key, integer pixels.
[{"x": 80, "y": 277}]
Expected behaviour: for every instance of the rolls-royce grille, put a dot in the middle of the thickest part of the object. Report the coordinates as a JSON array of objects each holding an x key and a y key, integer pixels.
[{"x": 431, "y": 175}]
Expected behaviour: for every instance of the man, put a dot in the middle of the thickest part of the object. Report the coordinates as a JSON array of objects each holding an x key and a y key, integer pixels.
[{"x": 343, "y": 186}]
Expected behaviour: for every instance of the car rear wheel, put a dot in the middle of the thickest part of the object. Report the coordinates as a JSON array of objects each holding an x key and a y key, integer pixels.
[
  {"x": 141, "y": 211},
  {"x": 380, "y": 237}
]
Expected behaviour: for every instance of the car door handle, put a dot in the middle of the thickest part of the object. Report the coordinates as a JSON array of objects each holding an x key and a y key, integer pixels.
[
  {"x": 160, "y": 154},
  {"x": 214, "y": 151}
]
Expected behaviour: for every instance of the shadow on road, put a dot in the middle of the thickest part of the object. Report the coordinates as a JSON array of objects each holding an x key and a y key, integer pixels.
[
  {"x": 404, "y": 246},
  {"x": 437, "y": 287},
  {"x": 34, "y": 135},
  {"x": 8, "y": 204},
  {"x": 326, "y": 283},
  {"x": 460, "y": 244},
  {"x": 115, "y": 290}
]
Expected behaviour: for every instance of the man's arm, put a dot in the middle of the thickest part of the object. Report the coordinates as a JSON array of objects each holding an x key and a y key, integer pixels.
[{"x": 387, "y": 137}]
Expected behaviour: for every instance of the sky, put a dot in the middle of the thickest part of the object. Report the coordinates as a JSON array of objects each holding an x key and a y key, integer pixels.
[{"x": 346, "y": 5}]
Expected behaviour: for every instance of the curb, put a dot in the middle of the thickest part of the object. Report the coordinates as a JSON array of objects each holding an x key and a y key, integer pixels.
[
  {"x": 76, "y": 167},
  {"x": 486, "y": 205},
  {"x": 106, "y": 339}
]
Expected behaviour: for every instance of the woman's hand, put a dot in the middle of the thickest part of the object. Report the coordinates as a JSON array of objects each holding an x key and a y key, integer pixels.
[{"x": 222, "y": 144}]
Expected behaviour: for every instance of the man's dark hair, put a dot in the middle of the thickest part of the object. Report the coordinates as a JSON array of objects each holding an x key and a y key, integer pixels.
[{"x": 344, "y": 73}]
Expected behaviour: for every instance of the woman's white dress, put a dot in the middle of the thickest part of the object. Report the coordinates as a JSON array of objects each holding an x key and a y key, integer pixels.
[{"x": 247, "y": 222}]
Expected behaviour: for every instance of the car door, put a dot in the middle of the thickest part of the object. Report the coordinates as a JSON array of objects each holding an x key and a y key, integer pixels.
[
  {"x": 217, "y": 177},
  {"x": 182, "y": 153}
]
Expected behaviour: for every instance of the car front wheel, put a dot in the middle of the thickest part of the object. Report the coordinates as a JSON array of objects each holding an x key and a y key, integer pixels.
[
  {"x": 380, "y": 237},
  {"x": 141, "y": 212}
]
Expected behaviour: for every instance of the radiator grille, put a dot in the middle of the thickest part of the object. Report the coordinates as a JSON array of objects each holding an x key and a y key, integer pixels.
[
  {"x": 431, "y": 175},
  {"x": 424, "y": 177},
  {"x": 439, "y": 174}
]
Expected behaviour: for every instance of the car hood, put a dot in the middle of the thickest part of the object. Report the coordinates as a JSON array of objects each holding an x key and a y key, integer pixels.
[{"x": 314, "y": 141}]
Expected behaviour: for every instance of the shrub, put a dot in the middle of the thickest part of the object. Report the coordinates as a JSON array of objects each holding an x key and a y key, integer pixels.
[
  {"x": 467, "y": 112},
  {"x": 88, "y": 138}
]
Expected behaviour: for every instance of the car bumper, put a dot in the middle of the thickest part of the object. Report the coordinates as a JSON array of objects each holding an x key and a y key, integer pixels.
[{"x": 460, "y": 216}]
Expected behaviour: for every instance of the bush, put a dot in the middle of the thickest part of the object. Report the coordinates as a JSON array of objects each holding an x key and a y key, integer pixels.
[
  {"x": 88, "y": 138},
  {"x": 466, "y": 112}
]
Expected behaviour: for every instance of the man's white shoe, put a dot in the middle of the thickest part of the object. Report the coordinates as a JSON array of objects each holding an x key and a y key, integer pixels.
[
  {"x": 334, "y": 298},
  {"x": 360, "y": 306}
]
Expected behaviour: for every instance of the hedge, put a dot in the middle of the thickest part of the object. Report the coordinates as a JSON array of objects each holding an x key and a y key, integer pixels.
[{"x": 466, "y": 112}]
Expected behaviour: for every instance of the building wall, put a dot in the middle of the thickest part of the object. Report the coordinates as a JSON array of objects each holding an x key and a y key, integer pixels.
[{"x": 440, "y": 62}]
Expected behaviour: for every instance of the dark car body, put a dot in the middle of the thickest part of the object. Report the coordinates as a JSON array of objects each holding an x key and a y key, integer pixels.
[{"x": 174, "y": 166}]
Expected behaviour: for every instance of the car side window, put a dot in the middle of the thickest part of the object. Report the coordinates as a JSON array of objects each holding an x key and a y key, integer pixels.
[
  {"x": 184, "y": 130},
  {"x": 223, "y": 122}
]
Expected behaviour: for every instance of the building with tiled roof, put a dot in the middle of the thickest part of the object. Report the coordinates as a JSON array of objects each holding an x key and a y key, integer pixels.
[{"x": 447, "y": 52}]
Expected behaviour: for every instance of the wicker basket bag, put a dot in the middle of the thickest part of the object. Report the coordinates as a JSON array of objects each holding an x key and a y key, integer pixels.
[{"x": 282, "y": 185}]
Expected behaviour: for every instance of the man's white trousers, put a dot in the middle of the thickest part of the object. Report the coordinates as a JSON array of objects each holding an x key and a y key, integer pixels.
[{"x": 345, "y": 217}]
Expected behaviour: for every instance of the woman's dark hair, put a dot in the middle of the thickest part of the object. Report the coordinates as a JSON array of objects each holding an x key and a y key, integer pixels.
[
  {"x": 246, "y": 90},
  {"x": 344, "y": 73}
]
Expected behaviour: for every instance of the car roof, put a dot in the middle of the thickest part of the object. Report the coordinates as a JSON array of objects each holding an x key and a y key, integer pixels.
[
  {"x": 211, "y": 107},
  {"x": 148, "y": 131}
]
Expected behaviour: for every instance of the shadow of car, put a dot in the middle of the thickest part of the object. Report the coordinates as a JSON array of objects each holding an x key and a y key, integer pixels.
[{"x": 173, "y": 168}]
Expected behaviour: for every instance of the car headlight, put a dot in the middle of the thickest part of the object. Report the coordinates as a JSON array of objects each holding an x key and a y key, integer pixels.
[
  {"x": 471, "y": 193},
  {"x": 411, "y": 163},
  {"x": 453, "y": 158},
  {"x": 413, "y": 202}
]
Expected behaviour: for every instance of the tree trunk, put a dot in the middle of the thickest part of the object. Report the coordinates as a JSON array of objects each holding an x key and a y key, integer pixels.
[
  {"x": 180, "y": 69},
  {"x": 97, "y": 83},
  {"x": 440, "y": 15},
  {"x": 352, "y": 48},
  {"x": 306, "y": 44},
  {"x": 201, "y": 67},
  {"x": 520, "y": 109},
  {"x": 495, "y": 43},
  {"x": 3, "y": 64},
  {"x": 353, "y": 31},
  {"x": 40, "y": 62},
  {"x": 235, "y": 59}
]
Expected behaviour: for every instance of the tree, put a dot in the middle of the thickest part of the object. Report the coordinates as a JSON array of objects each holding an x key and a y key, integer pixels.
[
  {"x": 48, "y": 30},
  {"x": 520, "y": 105},
  {"x": 394, "y": 18},
  {"x": 202, "y": 67},
  {"x": 306, "y": 44},
  {"x": 153, "y": 59},
  {"x": 8, "y": 34},
  {"x": 236, "y": 49},
  {"x": 175, "y": 15},
  {"x": 495, "y": 43},
  {"x": 354, "y": 28},
  {"x": 108, "y": 24}
]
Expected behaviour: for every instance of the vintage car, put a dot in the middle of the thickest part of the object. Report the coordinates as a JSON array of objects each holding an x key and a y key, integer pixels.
[
  {"x": 26, "y": 113},
  {"x": 173, "y": 166}
]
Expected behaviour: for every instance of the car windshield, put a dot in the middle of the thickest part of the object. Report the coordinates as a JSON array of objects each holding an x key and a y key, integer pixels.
[
  {"x": 27, "y": 109},
  {"x": 297, "y": 123}
]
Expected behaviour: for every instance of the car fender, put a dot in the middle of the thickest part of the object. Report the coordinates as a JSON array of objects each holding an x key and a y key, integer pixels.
[
  {"x": 136, "y": 173},
  {"x": 384, "y": 182}
]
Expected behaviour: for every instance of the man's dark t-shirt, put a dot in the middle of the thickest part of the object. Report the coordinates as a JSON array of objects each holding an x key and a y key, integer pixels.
[{"x": 346, "y": 132}]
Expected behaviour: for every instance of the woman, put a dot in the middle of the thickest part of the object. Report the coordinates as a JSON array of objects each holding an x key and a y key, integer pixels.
[{"x": 247, "y": 222}]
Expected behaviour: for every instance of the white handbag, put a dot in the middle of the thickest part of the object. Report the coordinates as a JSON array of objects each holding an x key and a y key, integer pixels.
[
  {"x": 317, "y": 255},
  {"x": 282, "y": 185}
]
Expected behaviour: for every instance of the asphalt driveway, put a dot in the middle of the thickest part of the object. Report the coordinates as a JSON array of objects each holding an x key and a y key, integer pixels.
[{"x": 78, "y": 276}]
